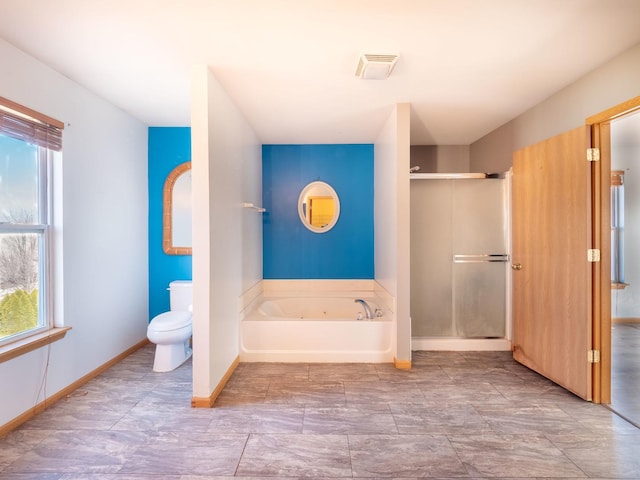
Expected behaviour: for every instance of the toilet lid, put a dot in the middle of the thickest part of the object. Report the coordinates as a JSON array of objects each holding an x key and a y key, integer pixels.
[{"x": 170, "y": 321}]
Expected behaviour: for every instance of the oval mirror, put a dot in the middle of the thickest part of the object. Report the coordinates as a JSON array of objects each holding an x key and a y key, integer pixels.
[
  {"x": 318, "y": 207},
  {"x": 176, "y": 235}
]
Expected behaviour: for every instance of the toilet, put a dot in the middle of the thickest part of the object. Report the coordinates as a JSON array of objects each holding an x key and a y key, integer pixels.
[{"x": 171, "y": 331}]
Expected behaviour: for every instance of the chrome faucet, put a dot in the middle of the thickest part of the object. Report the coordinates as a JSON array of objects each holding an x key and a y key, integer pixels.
[{"x": 365, "y": 305}]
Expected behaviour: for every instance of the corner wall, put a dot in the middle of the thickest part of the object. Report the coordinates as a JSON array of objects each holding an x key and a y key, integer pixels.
[
  {"x": 392, "y": 220},
  {"x": 227, "y": 238},
  {"x": 611, "y": 84},
  {"x": 100, "y": 229}
]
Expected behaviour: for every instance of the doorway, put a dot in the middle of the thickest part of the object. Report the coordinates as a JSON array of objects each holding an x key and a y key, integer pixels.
[
  {"x": 625, "y": 266},
  {"x": 601, "y": 138},
  {"x": 593, "y": 356}
]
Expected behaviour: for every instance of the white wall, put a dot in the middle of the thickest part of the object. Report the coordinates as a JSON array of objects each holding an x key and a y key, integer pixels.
[
  {"x": 100, "y": 282},
  {"x": 441, "y": 158},
  {"x": 607, "y": 86},
  {"x": 391, "y": 229},
  {"x": 227, "y": 239}
]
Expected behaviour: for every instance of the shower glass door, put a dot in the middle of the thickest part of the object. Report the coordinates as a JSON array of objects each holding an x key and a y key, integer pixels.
[{"x": 458, "y": 259}]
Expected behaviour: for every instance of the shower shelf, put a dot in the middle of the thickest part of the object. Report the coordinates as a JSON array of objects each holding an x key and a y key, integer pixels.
[
  {"x": 254, "y": 207},
  {"x": 452, "y": 176}
]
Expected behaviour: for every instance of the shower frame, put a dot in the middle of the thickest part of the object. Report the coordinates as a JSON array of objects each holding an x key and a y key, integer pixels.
[{"x": 461, "y": 343}]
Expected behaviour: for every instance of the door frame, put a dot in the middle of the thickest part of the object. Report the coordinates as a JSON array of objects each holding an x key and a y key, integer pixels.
[{"x": 601, "y": 210}]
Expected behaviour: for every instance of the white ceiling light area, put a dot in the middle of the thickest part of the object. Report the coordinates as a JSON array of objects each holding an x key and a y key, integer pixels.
[
  {"x": 465, "y": 66},
  {"x": 373, "y": 66}
]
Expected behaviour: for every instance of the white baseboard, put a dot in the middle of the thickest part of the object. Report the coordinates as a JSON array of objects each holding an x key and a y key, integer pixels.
[{"x": 461, "y": 344}]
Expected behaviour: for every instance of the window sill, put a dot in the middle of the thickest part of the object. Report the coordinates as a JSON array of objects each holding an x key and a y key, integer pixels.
[
  {"x": 34, "y": 342},
  {"x": 619, "y": 286}
]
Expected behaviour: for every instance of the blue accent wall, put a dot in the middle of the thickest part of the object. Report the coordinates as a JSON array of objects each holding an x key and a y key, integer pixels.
[
  {"x": 291, "y": 251},
  {"x": 168, "y": 148}
]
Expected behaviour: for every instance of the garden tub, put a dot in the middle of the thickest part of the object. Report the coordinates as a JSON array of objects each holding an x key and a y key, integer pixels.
[{"x": 316, "y": 329}]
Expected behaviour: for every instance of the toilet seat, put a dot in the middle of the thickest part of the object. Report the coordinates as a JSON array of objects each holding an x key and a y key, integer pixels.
[{"x": 168, "y": 321}]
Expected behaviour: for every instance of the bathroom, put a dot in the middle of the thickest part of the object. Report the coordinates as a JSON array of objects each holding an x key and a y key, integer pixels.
[
  {"x": 103, "y": 291},
  {"x": 289, "y": 250},
  {"x": 227, "y": 173},
  {"x": 370, "y": 253},
  {"x": 228, "y": 274}
]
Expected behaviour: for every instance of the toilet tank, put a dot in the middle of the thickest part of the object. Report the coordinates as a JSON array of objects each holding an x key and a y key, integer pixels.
[{"x": 181, "y": 295}]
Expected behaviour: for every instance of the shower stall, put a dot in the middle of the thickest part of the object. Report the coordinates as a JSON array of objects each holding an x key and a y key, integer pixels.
[{"x": 460, "y": 247}]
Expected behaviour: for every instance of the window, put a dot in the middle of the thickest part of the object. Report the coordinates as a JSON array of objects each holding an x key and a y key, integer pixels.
[
  {"x": 28, "y": 143},
  {"x": 617, "y": 229}
]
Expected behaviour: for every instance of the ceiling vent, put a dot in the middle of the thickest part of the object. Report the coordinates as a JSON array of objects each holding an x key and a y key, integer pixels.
[{"x": 375, "y": 67}]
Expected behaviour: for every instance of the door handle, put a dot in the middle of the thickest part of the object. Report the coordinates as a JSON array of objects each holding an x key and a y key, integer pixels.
[{"x": 516, "y": 266}]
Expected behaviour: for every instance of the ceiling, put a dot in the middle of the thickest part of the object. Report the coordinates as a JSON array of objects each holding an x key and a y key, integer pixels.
[{"x": 466, "y": 66}]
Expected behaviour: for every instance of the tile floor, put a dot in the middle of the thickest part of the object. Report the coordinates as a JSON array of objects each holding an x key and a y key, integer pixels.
[
  {"x": 454, "y": 415},
  {"x": 625, "y": 370}
]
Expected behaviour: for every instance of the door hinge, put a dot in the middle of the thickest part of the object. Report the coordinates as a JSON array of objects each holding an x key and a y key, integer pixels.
[
  {"x": 593, "y": 255},
  {"x": 593, "y": 356},
  {"x": 593, "y": 154}
]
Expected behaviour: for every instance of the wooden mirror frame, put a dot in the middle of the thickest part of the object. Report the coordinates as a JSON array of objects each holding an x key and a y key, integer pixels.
[{"x": 167, "y": 218}]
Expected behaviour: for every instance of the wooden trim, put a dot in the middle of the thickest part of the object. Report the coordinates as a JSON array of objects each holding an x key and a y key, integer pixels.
[
  {"x": 614, "y": 112},
  {"x": 617, "y": 178},
  {"x": 32, "y": 113},
  {"x": 619, "y": 286},
  {"x": 167, "y": 207},
  {"x": 601, "y": 138},
  {"x": 625, "y": 320},
  {"x": 47, "y": 402},
  {"x": 28, "y": 344},
  {"x": 402, "y": 364},
  {"x": 207, "y": 402},
  {"x": 596, "y": 271}
]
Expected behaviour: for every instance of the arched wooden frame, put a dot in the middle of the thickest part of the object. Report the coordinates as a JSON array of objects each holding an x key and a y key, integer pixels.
[{"x": 167, "y": 220}]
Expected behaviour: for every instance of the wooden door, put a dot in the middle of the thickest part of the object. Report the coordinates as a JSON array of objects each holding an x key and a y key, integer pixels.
[{"x": 552, "y": 277}]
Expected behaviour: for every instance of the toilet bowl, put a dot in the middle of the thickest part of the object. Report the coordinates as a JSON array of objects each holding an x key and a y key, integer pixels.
[{"x": 171, "y": 331}]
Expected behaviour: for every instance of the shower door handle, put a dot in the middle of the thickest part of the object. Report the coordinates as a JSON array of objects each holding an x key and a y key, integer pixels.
[
  {"x": 481, "y": 258},
  {"x": 516, "y": 266}
]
